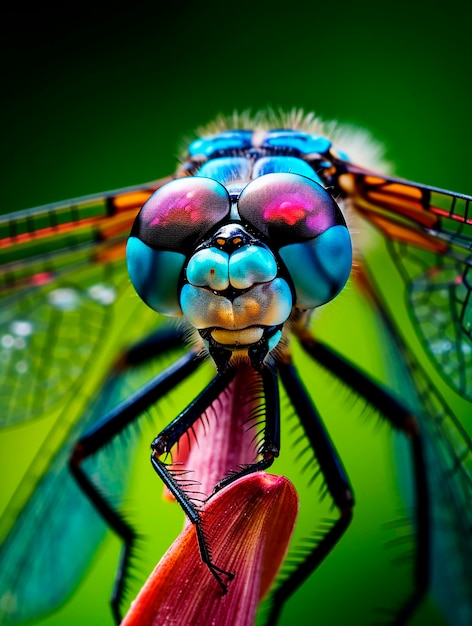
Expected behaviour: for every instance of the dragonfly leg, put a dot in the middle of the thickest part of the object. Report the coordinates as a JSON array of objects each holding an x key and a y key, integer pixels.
[
  {"x": 101, "y": 434},
  {"x": 268, "y": 450},
  {"x": 401, "y": 419},
  {"x": 164, "y": 339},
  {"x": 270, "y": 447},
  {"x": 337, "y": 484},
  {"x": 163, "y": 443}
]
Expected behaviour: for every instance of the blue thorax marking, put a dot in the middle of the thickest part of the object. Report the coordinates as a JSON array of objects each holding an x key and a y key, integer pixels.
[
  {"x": 242, "y": 155},
  {"x": 227, "y": 170},
  {"x": 231, "y": 142},
  {"x": 228, "y": 141},
  {"x": 295, "y": 141}
]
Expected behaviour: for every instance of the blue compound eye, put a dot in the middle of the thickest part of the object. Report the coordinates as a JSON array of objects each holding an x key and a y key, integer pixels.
[
  {"x": 180, "y": 213},
  {"x": 175, "y": 217},
  {"x": 288, "y": 208},
  {"x": 320, "y": 267},
  {"x": 300, "y": 218}
]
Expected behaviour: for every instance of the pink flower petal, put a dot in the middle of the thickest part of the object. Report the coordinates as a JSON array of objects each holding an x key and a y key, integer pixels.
[{"x": 248, "y": 526}]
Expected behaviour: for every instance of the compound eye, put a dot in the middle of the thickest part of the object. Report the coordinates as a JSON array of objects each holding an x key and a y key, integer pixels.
[
  {"x": 180, "y": 213},
  {"x": 165, "y": 231},
  {"x": 288, "y": 208},
  {"x": 301, "y": 219}
]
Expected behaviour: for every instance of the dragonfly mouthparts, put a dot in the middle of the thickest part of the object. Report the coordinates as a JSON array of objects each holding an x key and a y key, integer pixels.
[{"x": 254, "y": 342}]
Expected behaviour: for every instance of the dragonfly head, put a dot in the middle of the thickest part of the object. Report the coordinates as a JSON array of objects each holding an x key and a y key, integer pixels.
[
  {"x": 236, "y": 265},
  {"x": 235, "y": 295}
]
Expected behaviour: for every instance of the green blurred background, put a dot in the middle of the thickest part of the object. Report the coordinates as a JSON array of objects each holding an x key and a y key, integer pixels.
[{"x": 98, "y": 98}]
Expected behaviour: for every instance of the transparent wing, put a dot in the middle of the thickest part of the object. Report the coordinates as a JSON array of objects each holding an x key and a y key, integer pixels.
[
  {"x": 62, "y": 270},
  {"x": 50, "y": 531},
  {"x": 429, "y": 234},
  {"x": 448, "y": 454},
  {"x": 67, "y": 311}
]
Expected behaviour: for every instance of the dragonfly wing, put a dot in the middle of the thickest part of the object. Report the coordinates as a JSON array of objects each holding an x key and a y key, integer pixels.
[
  {"x": 50, "y": 531},
  {"x": 49, "y": 547},
  {"x": 49, "y": 336},
  {"x": 67, "y": 313},
  {"x": 429, "y": 236},
  {"x": 439, "y": 298},
  {"x": 448, "y": 454},
  {"x": 62, "y": 271}
]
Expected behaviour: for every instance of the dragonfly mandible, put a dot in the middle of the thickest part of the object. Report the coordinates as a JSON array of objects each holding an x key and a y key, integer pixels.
[{"x": 248, "y": 238}]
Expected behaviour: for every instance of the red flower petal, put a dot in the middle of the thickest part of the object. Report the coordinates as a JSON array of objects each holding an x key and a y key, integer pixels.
[{"x": 248, "y": 526}]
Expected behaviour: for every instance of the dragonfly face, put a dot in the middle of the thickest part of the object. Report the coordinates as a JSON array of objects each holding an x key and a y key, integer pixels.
[
  {"x": 249, "y": 240},
  {"x": 238, "y": 247}
]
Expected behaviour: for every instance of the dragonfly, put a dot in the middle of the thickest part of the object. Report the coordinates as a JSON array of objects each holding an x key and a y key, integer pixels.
[{"x": 265, "y": 220}]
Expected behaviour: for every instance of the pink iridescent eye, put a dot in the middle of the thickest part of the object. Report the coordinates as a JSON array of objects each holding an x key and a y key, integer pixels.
[
  {"x": 288, "y": 208},
  {"x": 181, "y": 212}
]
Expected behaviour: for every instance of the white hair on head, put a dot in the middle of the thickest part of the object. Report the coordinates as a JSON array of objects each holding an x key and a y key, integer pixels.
[{"x": 357, "y": 143}]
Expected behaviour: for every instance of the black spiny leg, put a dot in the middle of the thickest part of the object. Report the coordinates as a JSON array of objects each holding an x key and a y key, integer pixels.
[
  {"x": 270, "y": 448},
  {"x": 401, "y": 419},
  {"x": 170, "y": 435},
  {"x": 163, "y": 443},
  {"x": 162, "y": 340},
  {"x": 336, "y": 482},
  {"x": 101, "y": 434}
]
